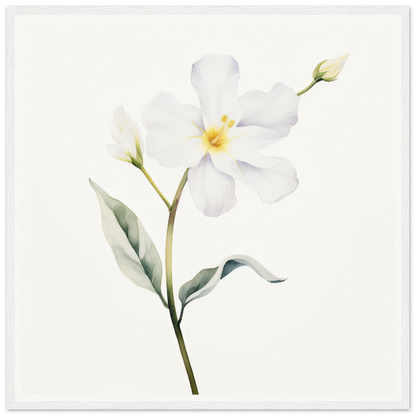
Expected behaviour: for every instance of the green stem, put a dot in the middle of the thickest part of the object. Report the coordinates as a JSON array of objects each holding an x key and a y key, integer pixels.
[
  {"x": 169, "y": 285},
  {"x": 154, "y": 186},
  {"x": 308, "y": 87}
]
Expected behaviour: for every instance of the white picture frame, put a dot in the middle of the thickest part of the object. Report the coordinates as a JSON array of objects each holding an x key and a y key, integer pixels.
[{"x": 342, "y": 332}]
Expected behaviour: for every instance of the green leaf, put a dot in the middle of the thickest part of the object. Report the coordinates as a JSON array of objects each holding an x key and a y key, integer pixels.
[
  {"x": 206, "y": 280},
  {"x": 135, "y": 253}
]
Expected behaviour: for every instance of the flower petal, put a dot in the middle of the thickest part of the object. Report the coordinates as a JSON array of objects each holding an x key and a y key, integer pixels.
[
  {"x": 215, "y": 79},
  {"x": 120, "y": 118},
  {"x": 128, "y": 141},
  {"x": 139, "y": 144},
  {"x": 276, "y": 110},
  {"x": 123, "y": 123},
  {"x": 212, "y": 190},
  {"x": 117, "y": 153},
  {"x": 272, "y": 184},
  {"x": 244, "y": 145},
  {"x": 172, "y": 131},
  {"x": 332, "y": 67},
  {"x": 115, "y": 132},
  {"x": 249, "y": 141}
]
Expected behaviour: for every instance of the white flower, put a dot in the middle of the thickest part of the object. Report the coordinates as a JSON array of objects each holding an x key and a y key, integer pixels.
[
  {"x": 223, "y": 142},
  {"x": 328, "y": 70},
  {"x": 126, "y": 134}
]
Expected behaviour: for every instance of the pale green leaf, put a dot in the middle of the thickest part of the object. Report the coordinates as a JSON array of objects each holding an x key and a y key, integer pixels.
[
  {"x": 133, "y": 249},
  {"x": 206, "y": 280}
]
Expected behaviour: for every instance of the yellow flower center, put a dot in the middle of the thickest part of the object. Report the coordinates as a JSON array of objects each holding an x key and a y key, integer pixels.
[{"x": 215, "y": 138}]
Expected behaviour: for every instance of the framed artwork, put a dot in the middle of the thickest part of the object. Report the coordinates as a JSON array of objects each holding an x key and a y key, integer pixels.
[{"x": 208, "y": 207}]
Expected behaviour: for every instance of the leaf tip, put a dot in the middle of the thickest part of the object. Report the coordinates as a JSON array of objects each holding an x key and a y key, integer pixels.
[
  {"x": 278, "y": 280},
  {"x": 94, "y": 186}
]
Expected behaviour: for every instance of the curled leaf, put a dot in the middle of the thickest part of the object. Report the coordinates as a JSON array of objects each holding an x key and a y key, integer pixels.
[
  {"x": 133, "y": 249},
  {"x": 206, "y": 280}
]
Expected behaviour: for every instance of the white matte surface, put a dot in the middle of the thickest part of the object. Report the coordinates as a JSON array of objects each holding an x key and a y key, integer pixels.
[{"x": 331, "y": 332}]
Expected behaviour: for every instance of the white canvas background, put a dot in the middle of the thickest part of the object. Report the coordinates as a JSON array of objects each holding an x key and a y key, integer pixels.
[{"x": 330, "y": 332}]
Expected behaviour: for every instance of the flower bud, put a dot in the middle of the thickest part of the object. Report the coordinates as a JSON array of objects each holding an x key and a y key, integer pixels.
[
  {"x": 126, "y": 135},
  {"x": 329, "y": 69}
]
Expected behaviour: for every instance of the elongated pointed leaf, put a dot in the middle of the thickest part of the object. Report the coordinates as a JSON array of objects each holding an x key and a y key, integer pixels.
[
  {"x": 206, "y": 280},
  {"x": 135, "y": 253}
]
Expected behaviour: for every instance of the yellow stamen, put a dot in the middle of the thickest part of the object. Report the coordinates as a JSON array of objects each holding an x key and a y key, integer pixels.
[
  {"x": 218, "y": 136},
  {"x": 192, "y": 137},
  {"x": 233, "y": 160},
  {"x": 196, "y": 125},
  {"x": 215, "y": 139},
  {"x": 221, "y": 136},
  {"x": 231, "y": 138}
]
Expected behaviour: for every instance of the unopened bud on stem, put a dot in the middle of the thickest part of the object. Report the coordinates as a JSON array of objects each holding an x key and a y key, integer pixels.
[{"x": 329, "y": 70}]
